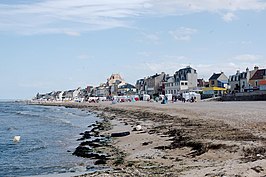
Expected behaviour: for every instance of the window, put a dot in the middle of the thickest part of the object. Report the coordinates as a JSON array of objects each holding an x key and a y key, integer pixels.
[
  {"x": 182, "y": 83},
  {"x": 243, "y": 85},
  {"x": 185, "y": 83},
  {"x": 174, "y": 91},
  {"x": 212, "y": 82}
]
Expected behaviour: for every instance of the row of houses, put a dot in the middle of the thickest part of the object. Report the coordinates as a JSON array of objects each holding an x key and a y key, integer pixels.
[
  {"x": 69, "y": 95},
  {"x": 115, "y": 86},
  {"x": 248, "y": 81},
  {"x": 241, "y": 82},
  {"x": 186, "y": 80},
  {"x": 182, "y": 81}
]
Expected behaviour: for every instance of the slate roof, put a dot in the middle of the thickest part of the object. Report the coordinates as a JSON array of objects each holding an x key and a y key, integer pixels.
[
  {"x": 127, "y": 86},
  {"x": 259, "y": 74},
  {"x": 215, "y": 76}
]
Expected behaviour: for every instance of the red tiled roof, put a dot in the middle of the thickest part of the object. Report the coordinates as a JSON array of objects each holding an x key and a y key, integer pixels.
[{"x": 259, "y": 74}]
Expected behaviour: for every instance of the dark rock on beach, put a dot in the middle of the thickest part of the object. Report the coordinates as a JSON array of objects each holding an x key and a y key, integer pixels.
[{"x": 120, "y": 134}]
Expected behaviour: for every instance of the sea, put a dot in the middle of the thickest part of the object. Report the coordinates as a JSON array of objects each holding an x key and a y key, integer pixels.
[{"x": 48, "y": 139}]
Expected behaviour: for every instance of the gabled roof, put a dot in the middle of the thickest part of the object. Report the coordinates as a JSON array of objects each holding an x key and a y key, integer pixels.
[
  {"x": 215, "y": 76},
  {"x": 259, "y": 74},
  {"x": 127, "y": 85}
]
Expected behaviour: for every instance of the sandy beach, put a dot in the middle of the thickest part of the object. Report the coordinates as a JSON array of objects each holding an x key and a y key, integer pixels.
[{"x": 185, "y": 139}]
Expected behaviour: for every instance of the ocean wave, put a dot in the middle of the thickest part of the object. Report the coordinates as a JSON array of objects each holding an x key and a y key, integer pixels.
[
  {"x": 27, "y": 113},
  {"x": 36, "y": 148},
  {"x": 11, "y": 128}
]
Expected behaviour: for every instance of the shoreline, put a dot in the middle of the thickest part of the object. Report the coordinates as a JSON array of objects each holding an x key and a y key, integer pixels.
[{"x": 180, "y": 140}]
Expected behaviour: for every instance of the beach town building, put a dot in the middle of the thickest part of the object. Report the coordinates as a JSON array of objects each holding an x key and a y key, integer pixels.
[
  {"x": 57, "y": 96},
  {"x": 201, "y": 83},
  {"x": 175, "y": 87},
  {"x": 89, "y": 89},
  {"x": 126, "y": 89},
  {"x": 153, "y": 84},
  {"x": 258, "y": 79},
  {"x": 113, "y": 81},
  {"x": 83, "y": 95},
  {"x": 262, "y": 84},
  {"x": 218, "y": 85},
  {"x": 187, "y": 74},
  {"x": 247, "y": 81},
  {"x": 184, "y": 80},
  {"x": 41, "y": 96},
  {"x": 140, "y": 86},
  {"x": 76, "y": 93},
  {"x": 114, "y": 86},
  {"x": 68, "y": 95},
  {"x": 239, "y": 82},
  {"x": 102, "y": 90},
  {"x": 51, "y": 96}
]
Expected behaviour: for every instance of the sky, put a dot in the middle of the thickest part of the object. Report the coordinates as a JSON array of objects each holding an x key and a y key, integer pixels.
[{"x": 50, "y": 45}]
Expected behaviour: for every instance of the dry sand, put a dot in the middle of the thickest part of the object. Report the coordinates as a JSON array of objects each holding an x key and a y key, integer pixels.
[
  {"x": 206, "y": 138},
  {"x": 186, "y": 139}
]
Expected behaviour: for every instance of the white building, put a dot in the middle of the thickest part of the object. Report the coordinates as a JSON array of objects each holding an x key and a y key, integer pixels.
[
  {"x": 184, "y": 80},
  {"x": 187, "y": 74},
  {"x": 174, "y": 88}
]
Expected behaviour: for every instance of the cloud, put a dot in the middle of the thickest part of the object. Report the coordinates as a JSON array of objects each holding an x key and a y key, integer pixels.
[
  {"x": 247, "y": 58},
  {"x": 72, "y": 33},
  {"x": 228, "y": 17},
  {"x": 183, "y": 33},
  {"x": 66, "y": 16},
  {"x": 167, "y": 64},
  {"x": 170, "y": 64},
  {"x": 75, "y": 17},
  {"x": 191, "y": 6},
  {"x": 153, "y": 38}
]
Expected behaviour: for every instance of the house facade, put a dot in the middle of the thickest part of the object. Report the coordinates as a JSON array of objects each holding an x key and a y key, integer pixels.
[
  {"x": 102, "y": 90},
  {"x": 68, "y": 95},
  {"x": 247, "y": 81},
  {"x": 140, "y": 86},
  {"x": 262, "y": 85},
  {"x": 113, "y": 81},
  {"x": 153, "y": 84},
  {"x": 257, "y": 79},
  {"x": 218, "y": 85},
  {"x": 126, "y": 89},
  {"x": 174, "y": 88},
  {"x": 184, "y": 80},
  {"x": 114, "y": 78},
  {"x": 187, "y": 74},
  {"x": 239, "y": 82}
]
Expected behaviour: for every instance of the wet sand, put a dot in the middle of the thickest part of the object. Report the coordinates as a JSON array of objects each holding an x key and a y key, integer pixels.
[{"x": 185, "y": 139}]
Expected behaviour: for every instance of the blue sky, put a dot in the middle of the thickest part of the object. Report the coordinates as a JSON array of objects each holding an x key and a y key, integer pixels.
[{"x": 48, "y": 45}]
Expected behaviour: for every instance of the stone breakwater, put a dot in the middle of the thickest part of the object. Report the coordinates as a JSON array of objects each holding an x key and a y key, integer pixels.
[{"x": 177, "y": 142}]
